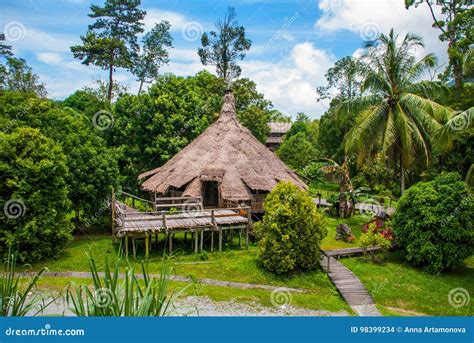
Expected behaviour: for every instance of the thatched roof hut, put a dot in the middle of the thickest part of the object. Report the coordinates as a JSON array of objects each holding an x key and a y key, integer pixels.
[{"x": 225, "y": 165}]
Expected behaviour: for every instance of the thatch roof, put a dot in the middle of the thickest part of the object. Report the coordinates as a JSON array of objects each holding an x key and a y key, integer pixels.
[{"x": 226, "y": 152}]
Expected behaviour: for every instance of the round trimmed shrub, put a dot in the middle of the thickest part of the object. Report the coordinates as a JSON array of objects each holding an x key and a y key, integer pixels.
[
  {"x": 433, "y": 223},
  {"x": 33, "y": 195},
  {"x": 291, "y": 230}
]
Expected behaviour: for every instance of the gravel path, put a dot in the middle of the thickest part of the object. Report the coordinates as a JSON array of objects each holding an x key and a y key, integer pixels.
[{"x": 205, "y": 307}]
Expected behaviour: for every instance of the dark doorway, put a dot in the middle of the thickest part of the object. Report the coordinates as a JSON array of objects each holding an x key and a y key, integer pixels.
[{"x": 210, "y": 192}]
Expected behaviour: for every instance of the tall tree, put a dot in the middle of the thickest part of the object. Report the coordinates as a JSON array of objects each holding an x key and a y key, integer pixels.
[
  {"x": 111, "y": 41},
  {"x": 18, "y": 76},
  {"x": 456, "y": 28},
  {"x": 397, "y": 116},
  {"x": 223, "y": 47},
  {"x": 153, "y": 53},
  {"x": 345, "y": 78}
]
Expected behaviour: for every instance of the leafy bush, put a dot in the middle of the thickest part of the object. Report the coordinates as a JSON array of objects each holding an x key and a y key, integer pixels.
[
  {"x": 373, "y": 239},
  {"x": 433, "y": 223},
  {"x": 296, "y": 151},
  {"x": 33, "y": 195},
  {"x": 291, "y": 230}
]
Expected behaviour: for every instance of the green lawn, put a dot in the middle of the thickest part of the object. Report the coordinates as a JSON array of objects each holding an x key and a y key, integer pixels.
[
  {"x": 400, "y": 289},
  {"x": 397, "y": 288},
  {"x": 230, "y": 265}
]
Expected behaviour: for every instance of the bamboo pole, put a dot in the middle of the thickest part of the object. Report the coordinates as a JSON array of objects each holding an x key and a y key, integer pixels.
[
  {"x": 220, "y": 239},
  {"x": 196, "y": 242},
  {"x": 202, "y": 239}
]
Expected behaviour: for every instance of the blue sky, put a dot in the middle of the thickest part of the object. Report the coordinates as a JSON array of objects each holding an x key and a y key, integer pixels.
[{"x": 294, "y": 42}]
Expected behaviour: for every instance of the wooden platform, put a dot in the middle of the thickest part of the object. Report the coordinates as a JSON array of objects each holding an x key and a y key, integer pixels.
[
  {"x": 179, "y": 222},
  {"x": 348, "y": 252}
]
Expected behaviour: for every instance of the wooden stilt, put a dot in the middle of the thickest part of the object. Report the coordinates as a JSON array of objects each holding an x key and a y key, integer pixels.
[
  {"x": 202, "y": 239},
  {"x": 170, "y": 242},
  {"x": 247, "y": 237},
  {"x": 212, "y": 240},
  {"x": 185, "y": 236},
  {"x": 134, "y": 248},
  {"x": 240, "y": 238},
  {"x": 126, "y": 247},
  {"x": 195, "y": 242},
  {"x": 220, "y": 239},
  {"x": 146, "y": 245}
]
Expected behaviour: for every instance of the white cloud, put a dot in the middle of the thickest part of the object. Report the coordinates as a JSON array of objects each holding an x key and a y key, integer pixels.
[
  {"x": 364, "y": 16},
  {"x": 290, "y": 84},
  {"x": 36, "y": 40},
  {"x": 154, "y": 16}
]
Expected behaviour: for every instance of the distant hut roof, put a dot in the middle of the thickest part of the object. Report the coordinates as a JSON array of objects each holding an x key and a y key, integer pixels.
[
  {"x": 279, "y": 128},
  {"x": 226, "y": 152}
]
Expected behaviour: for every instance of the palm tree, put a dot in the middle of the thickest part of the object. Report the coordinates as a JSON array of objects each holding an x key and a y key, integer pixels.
[
  {"x": 397, "y": 115},
  {"x": 346, "y": 190}
]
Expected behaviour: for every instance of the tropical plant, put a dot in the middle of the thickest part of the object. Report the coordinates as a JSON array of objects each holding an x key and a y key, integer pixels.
[
  {"x": 347, "y": 196},
  {"x": 223, "y": 47},
  {"x": 397, "y": 117},
  {"x": 291, "y": 231},
  {"x": 433, "y": 223},
  {"x": 134, "y": 295},
  {"x": 16, "y": 296},
  {"x": 374, "y": 244}
]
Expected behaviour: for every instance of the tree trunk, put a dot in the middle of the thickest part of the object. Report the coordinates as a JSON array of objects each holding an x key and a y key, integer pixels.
[
  {"x": 141, "y": 86},
  {"x": 109, "y": 92},
  {"x": 402, "y": 175}
]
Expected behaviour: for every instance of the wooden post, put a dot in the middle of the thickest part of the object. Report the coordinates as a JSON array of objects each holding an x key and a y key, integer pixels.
[
  {"x": 247, "y": 237},
  {"x": 212, "y": 240},
  {"x": 220, "y": 239},
  {"x": 185, "y": 238},
  {"x": 134, "y": 248},
  {"x": 146, "y": 245},
  {"x": 195, "y": 242},
  {"x": 202, "y": 238},
  {"x": 240, "y": 238},
  {"x": 170, "y": 242},
  {"x": 126, "y": 247}
]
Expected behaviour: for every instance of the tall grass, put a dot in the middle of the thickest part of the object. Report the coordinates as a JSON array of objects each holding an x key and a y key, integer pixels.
[
  {"x": 16, "y": 296},
  {"x": 129, "y": 295}
]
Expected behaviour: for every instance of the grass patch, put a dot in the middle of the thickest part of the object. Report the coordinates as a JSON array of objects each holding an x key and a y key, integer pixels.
[
  {"x": 400, "y": 289},
  {"x": 355, "y": 223}
]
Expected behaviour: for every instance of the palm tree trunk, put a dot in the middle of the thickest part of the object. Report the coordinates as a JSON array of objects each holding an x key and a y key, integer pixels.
[{"x": 402, "y": 175}]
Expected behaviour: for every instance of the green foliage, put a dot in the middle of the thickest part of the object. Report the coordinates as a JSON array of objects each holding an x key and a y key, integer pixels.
[
  {"x": 5, "y": 50},
  {"x": 291, "y": 231},
  {"x": 314, "y": 172},
  {"x": 86, "y": 102},
  {"x": 297, "y": 151},
  {"x": 223, "y": 47},
  {"x": 433, "y": 223},
  {"x": 33, "y": 194},
  {"x": 16, "y": 75},
  {"x": 118, "y": 297},
  {"x": 16, "y": 296},
  {"x": 92, "y": 167},
  {"x": 373, "y": 239}
]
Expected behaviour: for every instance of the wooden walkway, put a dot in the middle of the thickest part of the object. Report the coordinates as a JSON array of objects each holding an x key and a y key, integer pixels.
[{"x": 348, "y": 284}]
